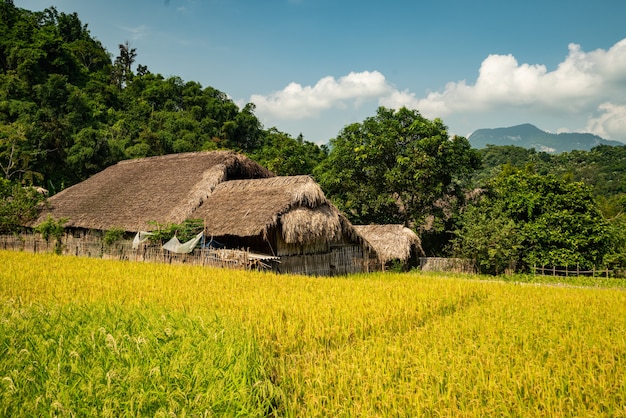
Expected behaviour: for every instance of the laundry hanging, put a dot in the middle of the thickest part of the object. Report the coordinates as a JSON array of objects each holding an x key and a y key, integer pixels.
[
  {"x": 175, "y": 246},
  {"x": 141, "y": 237}
]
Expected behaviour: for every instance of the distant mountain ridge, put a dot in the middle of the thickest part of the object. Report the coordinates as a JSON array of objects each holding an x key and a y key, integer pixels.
[{"x": 529, "y": 136}]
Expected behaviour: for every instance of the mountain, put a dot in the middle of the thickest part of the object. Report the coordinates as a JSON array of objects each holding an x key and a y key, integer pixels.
[{"x": 529, "y": 136}]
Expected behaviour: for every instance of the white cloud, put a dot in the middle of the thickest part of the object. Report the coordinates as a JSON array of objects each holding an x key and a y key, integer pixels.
[
  {"x": 611, "y": 123},
  {"x": 299, "y": 102},
  {"x": 578, "y": 84},
  {"x": 585, "y": 88}
]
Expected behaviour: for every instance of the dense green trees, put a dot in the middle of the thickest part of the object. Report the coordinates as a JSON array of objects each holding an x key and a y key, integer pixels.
[
  {"x": 287, "y": 156},
  {"x": 604, "y": 167},
  {"x": 67, "y": 110},
  {"x": 397, "y": 167},
  {"x": 524, "y": 219},
  {"x": 602, "y": 170}
]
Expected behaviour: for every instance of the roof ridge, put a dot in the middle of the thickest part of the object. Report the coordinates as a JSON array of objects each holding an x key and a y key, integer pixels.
[{"x": 174, "y": 156}]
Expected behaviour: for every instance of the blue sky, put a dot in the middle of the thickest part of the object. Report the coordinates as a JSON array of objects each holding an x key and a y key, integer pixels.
[{"x": 315, "y": 66}]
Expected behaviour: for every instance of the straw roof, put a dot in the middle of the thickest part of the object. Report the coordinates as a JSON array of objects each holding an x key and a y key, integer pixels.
[
  {"x": 391, "y": 242},
  {"x": 253, "y": 207},
  {"x": 165, "y": 189}
]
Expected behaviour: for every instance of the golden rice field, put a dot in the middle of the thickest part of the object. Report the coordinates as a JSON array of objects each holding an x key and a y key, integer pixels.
[{"x": 84, "y": 337}]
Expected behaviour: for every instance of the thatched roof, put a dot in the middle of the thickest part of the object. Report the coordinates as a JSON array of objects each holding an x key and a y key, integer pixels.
[
  {"x": 391, "y": 242},
  {"x": 165, "y": 189},
  {"x": 233, "y": 195},
  {"x": 294, "y": 204}
]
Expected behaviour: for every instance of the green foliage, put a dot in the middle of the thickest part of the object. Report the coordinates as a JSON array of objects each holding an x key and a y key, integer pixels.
[
  {"x": 614, "y": 211},
  {"x": 525, "y": 219},
  {"x": 52, "y": 228},
  {"x": 67, "y": 111},
  {"x": 396, "y": 266},
  {"x": 603, "y": 167},
  {"x": 112, "y": 236},
  {"x": 489, "y": 237},
  {"x": 15, "y": 157},
  {"x": 184, "y": 232},
  {"x": 118, "y": 360},
  {"x": 395, "y": 167},
  {"x": 18, "y": 206},
  {"x": 286, "y": 156}
]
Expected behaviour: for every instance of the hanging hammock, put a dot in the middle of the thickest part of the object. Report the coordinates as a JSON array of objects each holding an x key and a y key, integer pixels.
[{"x": 175, "y": 246}]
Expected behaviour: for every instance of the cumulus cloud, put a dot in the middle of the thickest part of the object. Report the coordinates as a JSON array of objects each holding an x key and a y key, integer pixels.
[
  {"x": 611, "y": 123},
  {"x": 584, "y": 83},
  {"x": 298, "y": 102},
  {"x": 579, "y": 79},
  {"x": 586, "y": 87}
]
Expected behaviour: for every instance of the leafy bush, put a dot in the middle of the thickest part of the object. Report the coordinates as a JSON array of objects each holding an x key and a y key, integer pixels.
[
  {"x": 112, "y": 236},
  {"x": 525, "y": 218},
  {"x": 185, "y": 231},
  {"x": 51, "y": 228},
  {"x": 18, "y": 206}
]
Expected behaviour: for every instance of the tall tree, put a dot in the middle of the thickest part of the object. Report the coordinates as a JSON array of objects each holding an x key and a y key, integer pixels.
[
  {"x": 396, "y": 167},
  {"x": 286, "y": 156},
  {"x": 15, "y": 160},
  {"x": 122, "y": 70}
]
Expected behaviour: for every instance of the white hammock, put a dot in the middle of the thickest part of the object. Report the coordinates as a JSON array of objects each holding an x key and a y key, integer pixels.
[{"x": 175, "y": 246}]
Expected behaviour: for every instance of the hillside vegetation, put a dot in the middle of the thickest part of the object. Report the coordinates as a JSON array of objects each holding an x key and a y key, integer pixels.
[
  {"x": 603, "y": 167},
  {"x": 67, "y": 110},
  {"x": 529, "y": 136},
  {"x": 83, "y": 336}
]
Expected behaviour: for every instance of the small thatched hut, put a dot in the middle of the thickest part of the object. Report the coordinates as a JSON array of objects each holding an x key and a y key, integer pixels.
[
  {"x": 393, "y": 242},
  {"x": 288, "y": 217}
]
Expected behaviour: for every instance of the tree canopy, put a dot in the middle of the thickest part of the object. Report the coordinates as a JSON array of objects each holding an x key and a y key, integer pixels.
[
  {"x": 396, "y": 167},
  {"x": 524, "y": 219},
  {"x": 68, "y": 109}
]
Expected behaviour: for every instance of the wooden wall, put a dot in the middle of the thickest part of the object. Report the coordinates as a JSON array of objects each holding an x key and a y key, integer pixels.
[{"x": 337, "y": 260}]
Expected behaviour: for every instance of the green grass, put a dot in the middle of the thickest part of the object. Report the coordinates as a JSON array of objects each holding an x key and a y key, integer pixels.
[
  {"x": 84, "y": 336},
  {"x": 112, "y": 360},
  {"x": 598, "y": 281}
]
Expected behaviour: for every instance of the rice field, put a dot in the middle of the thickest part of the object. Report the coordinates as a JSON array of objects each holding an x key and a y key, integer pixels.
[{"x": 83, "y": 337}]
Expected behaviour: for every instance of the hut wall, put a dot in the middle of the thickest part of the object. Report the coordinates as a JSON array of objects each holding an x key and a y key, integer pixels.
[
  {"x": 284, "y": 249},
  {"x": 254, "y": 244},
  {"x": 345, "y": 259},
  {"x": 318, "y": 247}
]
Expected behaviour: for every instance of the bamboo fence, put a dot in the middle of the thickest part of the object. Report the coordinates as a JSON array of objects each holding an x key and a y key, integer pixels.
[
  {"x": 123, "y": 250},
  {"x": 567, "y": 271},
  {"x": 339, "y": 261}
]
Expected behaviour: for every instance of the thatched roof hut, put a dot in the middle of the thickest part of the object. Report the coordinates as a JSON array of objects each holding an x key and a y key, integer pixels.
[
  {"x": 133, "y": 193},
  {"x": 286, "y": 221},
  {"x": 293, "y": 207},
  {"x": 391, "y": 242}
]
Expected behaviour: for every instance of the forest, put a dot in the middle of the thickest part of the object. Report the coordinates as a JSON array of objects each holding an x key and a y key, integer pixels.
[{"x": 69, "y": 108}]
